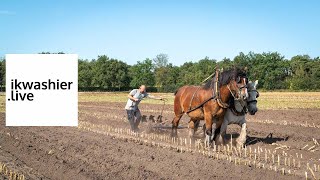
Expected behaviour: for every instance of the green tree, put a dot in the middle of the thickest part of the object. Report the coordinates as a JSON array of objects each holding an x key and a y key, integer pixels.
[
  {"x": 186, "y": 74},
  {"x": 85, "y": 73},
  {"x": 194, "y": 73},
  {"x": 271, "y": 69},
  {"x": 2, "y": 73},
  {"x": 226, "y": 63},
  {"x": 305, "y": 73},
  {"x": 160, "y": 63},
  {"x": 204, "y": 68},
  {"x": 110, "y": 73},
  {"x": 100, "y": 78},
  {"x": 142, "y": 73},
  {"x": 119, "y": 72},
  {"x": 161, "y": 60},
  {"x": 167, "y": 78}
]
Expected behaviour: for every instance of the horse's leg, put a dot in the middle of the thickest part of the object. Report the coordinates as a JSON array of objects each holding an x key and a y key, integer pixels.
[
  {"x": 193, "y": 126},
  {"x": 221, "y": 132},
  {"x": 178, "y": 111},
  {"x": 204, "y": 130},
  {"x": 243, "y": 134},
  {"x": 175, "y": 124},
  {"x": 221, "y": 129},
  {"x": 215, "y": 130},
  {"x": 209, "y": 121},
  {"x": 216, "y": 133},
  {"x": 196, "y": 125}
]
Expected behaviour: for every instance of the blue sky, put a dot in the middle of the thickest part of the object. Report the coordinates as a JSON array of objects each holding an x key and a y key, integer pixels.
[{"x": 132, "y": 30}]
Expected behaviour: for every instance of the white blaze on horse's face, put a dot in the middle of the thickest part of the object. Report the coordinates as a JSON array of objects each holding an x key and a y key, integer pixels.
[
  {"x": 243, "y": 89},
  {"x": 246, "y": 95},
  {"x": 252, "y": 99},
  {"x": 239, "y": 88},
  {"x": 255, "y": 84}
]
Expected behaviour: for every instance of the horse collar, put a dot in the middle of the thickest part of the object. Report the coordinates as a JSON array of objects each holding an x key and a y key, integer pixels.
[{"x": 236, "y": 113}]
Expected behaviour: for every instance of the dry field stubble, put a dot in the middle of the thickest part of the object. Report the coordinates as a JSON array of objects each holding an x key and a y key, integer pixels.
[{"x": 267, "y": 100}]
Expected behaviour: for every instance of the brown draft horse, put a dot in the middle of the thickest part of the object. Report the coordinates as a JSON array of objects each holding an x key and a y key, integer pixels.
[{"x": 208, "y": 102}]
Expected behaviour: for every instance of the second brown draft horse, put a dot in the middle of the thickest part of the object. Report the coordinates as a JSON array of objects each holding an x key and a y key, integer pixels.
[{"x": 208, "y": 101}]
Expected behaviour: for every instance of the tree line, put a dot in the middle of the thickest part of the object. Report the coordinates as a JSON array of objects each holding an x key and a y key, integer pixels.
[{"x": 273, "y": 71}]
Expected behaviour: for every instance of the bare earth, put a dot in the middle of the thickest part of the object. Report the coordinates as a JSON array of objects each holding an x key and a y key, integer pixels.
[{"x": 73, "y": 153}]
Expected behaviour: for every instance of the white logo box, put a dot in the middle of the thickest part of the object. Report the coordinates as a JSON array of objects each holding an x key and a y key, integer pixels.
[{"x": 49, "y": 107}]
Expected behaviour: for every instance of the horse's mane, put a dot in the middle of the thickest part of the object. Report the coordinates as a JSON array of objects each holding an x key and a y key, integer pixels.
[{"x": 225, "y": 77}]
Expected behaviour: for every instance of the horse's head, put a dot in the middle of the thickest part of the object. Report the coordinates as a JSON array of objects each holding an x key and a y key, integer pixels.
[
  {"x": 237, "y": 83},
  {"x": 251, "y": 100}
]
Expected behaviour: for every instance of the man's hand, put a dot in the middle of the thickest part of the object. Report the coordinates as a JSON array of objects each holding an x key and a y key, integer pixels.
[{"x": 132, "y": 98}]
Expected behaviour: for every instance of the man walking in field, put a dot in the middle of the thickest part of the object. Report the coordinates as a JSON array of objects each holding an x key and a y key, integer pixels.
[{"x": 133, "y": 112}]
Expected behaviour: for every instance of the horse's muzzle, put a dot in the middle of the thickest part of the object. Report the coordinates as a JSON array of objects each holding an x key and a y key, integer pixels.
[{"x": 253, "y": 111}]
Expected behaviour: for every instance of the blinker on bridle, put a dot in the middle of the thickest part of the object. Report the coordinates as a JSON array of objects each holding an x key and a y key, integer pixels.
[{"x": 239, "y": 88}]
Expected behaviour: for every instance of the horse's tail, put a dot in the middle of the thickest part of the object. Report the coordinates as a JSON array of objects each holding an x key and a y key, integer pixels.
[{"x": 176, "y": 92}]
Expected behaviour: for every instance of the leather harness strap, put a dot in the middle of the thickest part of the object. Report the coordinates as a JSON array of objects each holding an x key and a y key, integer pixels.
[
  {"x": 222, "y": 104},
  {"x": 236, "y": 113},
  {"x": 193, "y": 97},
  {"x": 217, "y": 92},
  {"x": 215, "y": 95}
]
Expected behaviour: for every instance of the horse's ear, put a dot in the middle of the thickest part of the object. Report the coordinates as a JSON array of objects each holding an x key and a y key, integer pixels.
[{"x": 256, "y": 83}]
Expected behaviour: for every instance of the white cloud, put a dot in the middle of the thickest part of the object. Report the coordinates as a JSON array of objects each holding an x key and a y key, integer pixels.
[{"x": 5, "y": 12}]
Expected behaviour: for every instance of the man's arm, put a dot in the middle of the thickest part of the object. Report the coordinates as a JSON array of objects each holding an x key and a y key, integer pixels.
[
  {"x": 131, "y": 94},
  {"x": 132, "y": 98},
  {"x": 154, "y": 97}
]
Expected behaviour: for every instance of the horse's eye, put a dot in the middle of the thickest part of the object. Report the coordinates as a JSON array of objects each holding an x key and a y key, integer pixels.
[{"x": 238, "y": 79}]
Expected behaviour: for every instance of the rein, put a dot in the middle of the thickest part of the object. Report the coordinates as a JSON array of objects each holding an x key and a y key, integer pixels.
[
  {"x": 197, "y": 107},
  {"x": 160, "y": 116},
  {"x": 215, "y": 94},
  {"x": 257, "y": 96},
  {"x": 244, "y": 105},
  {"x": 233, "y": 109},
  {"x": 236, "y": 113},
  {"x": 231, "y": 92}
]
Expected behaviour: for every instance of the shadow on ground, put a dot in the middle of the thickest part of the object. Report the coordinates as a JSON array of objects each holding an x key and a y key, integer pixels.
[{"x": 251, "y": 140}]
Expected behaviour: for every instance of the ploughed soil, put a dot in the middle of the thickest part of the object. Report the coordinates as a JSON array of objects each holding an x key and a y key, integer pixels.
[{"x": 72, "y": 153}]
